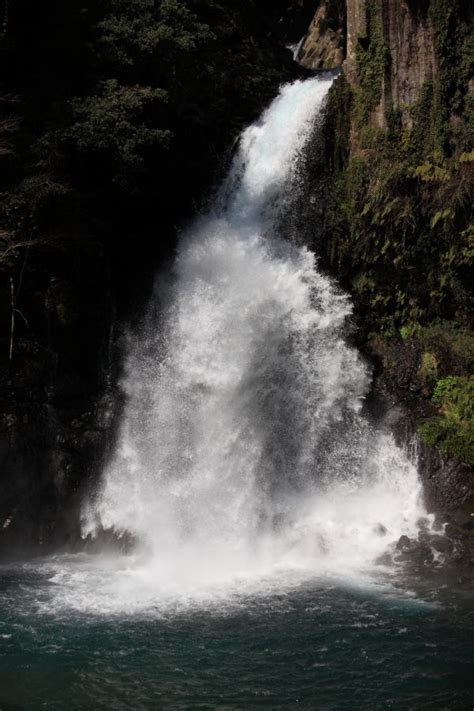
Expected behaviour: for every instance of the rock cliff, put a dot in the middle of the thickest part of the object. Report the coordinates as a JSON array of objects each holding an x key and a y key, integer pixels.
[
  {"x": 323, "y": 45},
  {"x": 397, "y": 35},
  {"x": 398, "y": 184}
]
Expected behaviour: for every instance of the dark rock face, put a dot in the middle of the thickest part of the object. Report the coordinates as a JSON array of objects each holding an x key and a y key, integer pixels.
[
  {"x": 46, "y": 459},
  {"x": 323, "y": 45},
  {"x": 439, "y": 559},
  {"x": 447, "y": 483},
  {"x": 57, "y": 406},
  {"x": 337, "y": 28},
  {"x": 403, "y": 542},
  {"x": 442, "y": 545},
  {"x": 448, "y": 496},
  {"x": 409, "y": 40},
  {"x": 448, "y": 490}
]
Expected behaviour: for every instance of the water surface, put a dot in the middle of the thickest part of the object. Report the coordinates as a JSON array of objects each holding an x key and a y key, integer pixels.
[{"x": 324, "y": 644}]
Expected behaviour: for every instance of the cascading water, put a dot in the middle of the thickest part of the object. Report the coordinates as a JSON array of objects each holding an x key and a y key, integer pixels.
[{"x": 242, "y": 450}]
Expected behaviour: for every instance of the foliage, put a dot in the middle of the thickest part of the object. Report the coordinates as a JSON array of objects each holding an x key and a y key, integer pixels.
[
  {"x": 372, "y": 57},
  {"x": 116, "y": 114},
  {"x": 452, "y": 346},
  {"x": 136, "y": 97},
  {"x": 399, "y": 226},
  {"x": 114, "y": 121},
  {"x": 452, "y": 430},
  {"x": 26, "y": 210},
  {"x": 397, "y": 208},
  {"x": 451, "y": 20},
  {"x": 132, "y": 32},
  {"x": 429, "y": 368}
]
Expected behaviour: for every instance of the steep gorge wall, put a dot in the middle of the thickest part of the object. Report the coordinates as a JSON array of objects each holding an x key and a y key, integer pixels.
[
  {"x": 403, "y": 37},
  {"x": 409, "y": 40},
  {"x": 410, "y": 37},
  {"x": 398, "y": 225}
]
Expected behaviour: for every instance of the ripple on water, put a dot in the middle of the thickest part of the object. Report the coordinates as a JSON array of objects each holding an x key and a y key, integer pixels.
[{"x": 321, "y": 644}]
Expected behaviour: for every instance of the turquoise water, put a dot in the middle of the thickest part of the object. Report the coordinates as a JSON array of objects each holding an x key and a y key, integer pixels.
[{"x": 317, "y": 646}]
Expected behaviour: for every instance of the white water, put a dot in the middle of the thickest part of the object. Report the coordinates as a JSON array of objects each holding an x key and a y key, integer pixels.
[
  {"x": 243, "y": 456},
  {"x": 296, "y": 47}
]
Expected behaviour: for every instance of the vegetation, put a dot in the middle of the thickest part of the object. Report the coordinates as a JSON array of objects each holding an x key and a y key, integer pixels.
[
  {"x": 115, "y": 117},
  {"x": 372, "y": 57},
  {"x": 453, "y": 428},
  {"x": 400, "y": 233},
  {"x": 136, "y": 84}
]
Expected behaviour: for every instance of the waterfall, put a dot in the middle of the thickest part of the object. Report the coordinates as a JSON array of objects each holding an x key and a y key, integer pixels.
[
  {"x": 295, "y": 48},
  {"x": 243, "y": 448}
]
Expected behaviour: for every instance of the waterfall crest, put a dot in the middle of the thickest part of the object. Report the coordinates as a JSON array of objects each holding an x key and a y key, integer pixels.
[{"x": 242, "y": 447}]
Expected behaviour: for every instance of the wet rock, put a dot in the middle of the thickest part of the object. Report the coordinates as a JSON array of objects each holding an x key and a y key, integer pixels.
[
  {"x": 441, "y": 544},
  {"x": 463, "y": 520},
  {"x": 459, "y": 552},
  {"x": 410, "y": 39},
  {"x": 423, "y": 523},
  {"x": 323, "y": 46},
  {"x": 418, "y": 555},
  {"x": 403, "y": 542},
  {"x": 440, "y": 521}
]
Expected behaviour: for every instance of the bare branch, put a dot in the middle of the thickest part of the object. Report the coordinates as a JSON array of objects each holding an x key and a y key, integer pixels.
[{"x": 12, "y": 321}]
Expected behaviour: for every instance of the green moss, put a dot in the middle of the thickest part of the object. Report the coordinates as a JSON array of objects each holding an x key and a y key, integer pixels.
[
  {"x": 452, "y": 430},
  {"x": 429, "y": 368},
  {"x": 337, "y": 126},
  {"x": 400, "y": 224},
  {"x": 427, "y": 133},
  {"x": 404, "y": 205},
  {"x": 407, "y": 331},
  {"x": 372, "y": 58},
  {"x": 454, "y": 50},
  {"x": 457, "y": 443},
  {"x": 371, "y": 137},
  {"x": 452, "y": 346}
]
